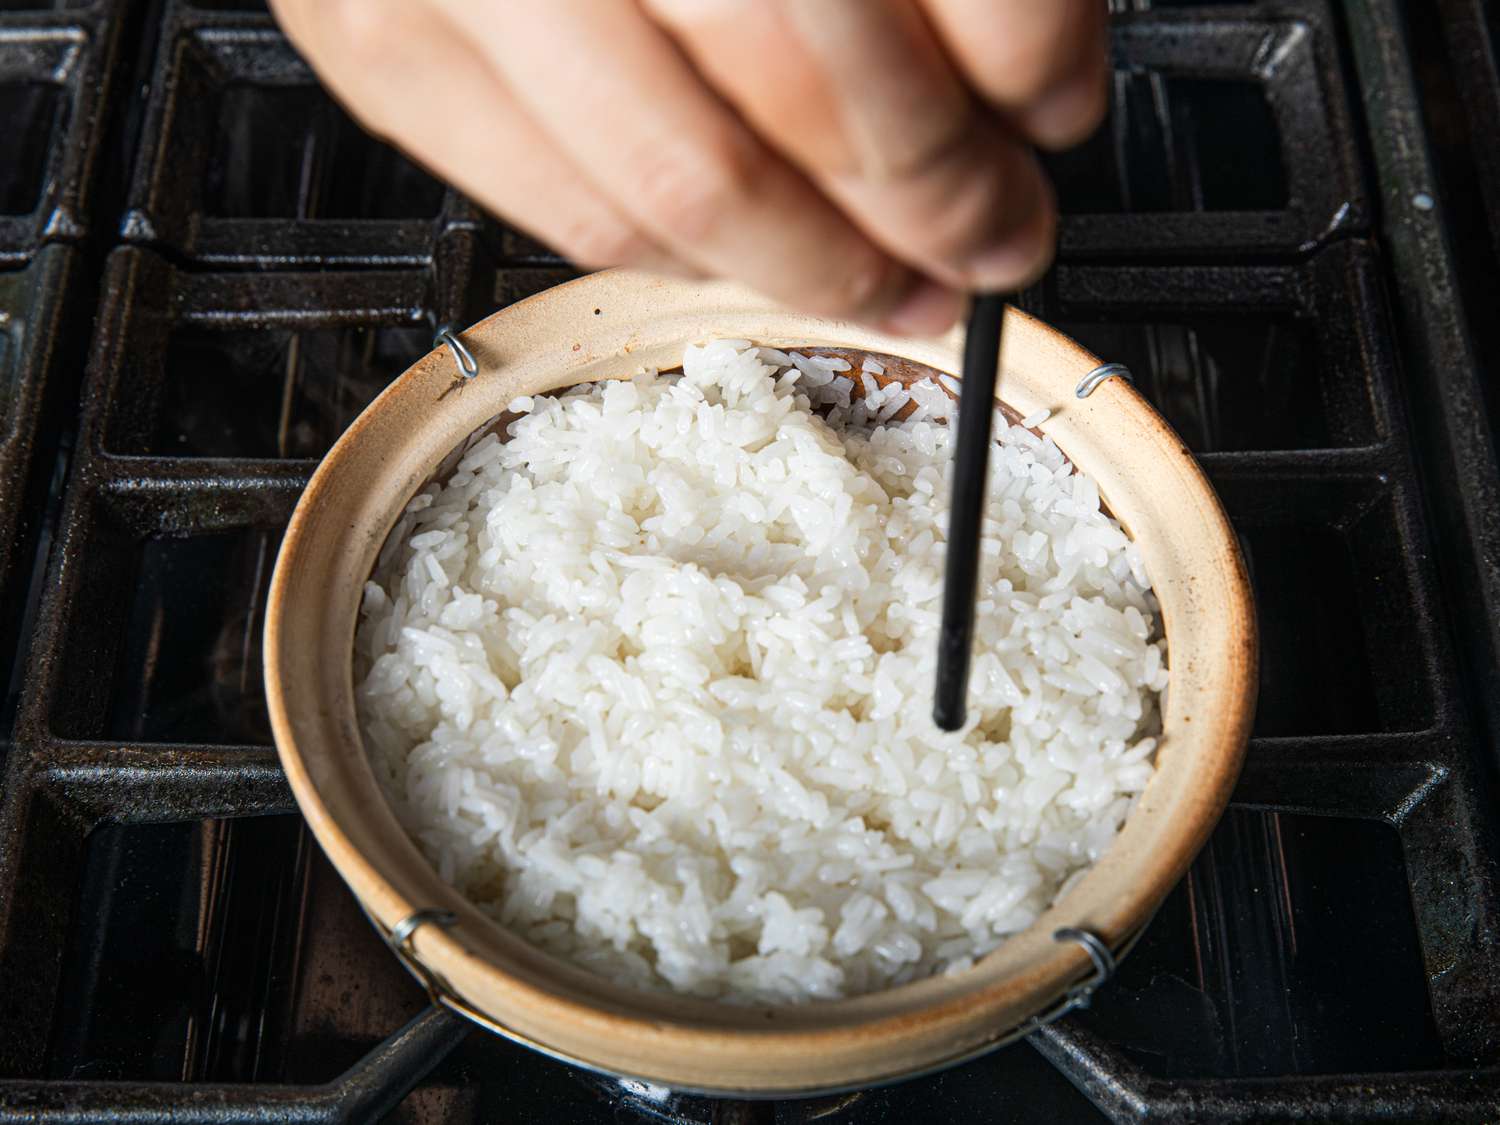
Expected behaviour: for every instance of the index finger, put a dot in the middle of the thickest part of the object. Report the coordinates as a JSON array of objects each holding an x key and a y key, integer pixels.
[{"x": 1043, "y": 63}]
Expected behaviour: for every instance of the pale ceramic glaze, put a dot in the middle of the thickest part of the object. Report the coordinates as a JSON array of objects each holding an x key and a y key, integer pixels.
[{"x": 611, "y": 325}]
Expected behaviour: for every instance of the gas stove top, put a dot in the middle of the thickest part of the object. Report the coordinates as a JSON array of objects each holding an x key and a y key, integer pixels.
[{"x": 1289, "y": 230}]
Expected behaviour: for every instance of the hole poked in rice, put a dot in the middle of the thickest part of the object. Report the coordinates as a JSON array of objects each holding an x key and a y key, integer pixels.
[{"x": 650, "y": 681}]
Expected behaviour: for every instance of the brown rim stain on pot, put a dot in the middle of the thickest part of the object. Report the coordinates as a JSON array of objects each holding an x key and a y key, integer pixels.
[{"x": 1149, "y": 482}]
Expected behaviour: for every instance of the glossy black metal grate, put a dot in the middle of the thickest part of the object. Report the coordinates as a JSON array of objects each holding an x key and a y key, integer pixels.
[
  {"x": 1165, "y": 177},
  {"x": 1245, "y": 233},
  {"x": 245, "y": 161}
]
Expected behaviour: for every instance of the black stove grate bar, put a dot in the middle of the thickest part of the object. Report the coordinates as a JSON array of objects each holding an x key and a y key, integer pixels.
[
  {"x": 1425, "y": 774},
  {"x": 1145, "y": 164},
  {"x": 1125, "y": 1093},
  {"x": 248, "y": 163},
  {"x": 1459, "y": 458},
  {"x": 106, "y": 781},
  {"x": 1374, "y": 777},
  {"x": 364, "y": 1093},
  {"x": 1364, "y": 776},
  {"x": 64, "y": 776},
  {"x": 125, "y": 431},
  {"x": 33, "y": 312},
  {"x": 1455, "y": 336},
  {"x": 1378, "y": 777},
  {"x": 60, "y": 72},
  {"x": 1472, "y": 31}
]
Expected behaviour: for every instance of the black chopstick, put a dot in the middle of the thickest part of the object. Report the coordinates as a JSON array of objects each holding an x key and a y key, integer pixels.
[{"x": 971, "y": 461}]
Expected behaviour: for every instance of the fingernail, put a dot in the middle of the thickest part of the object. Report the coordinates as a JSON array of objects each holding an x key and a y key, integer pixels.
[
  {"x": 1010, "y": 266},
  {"x": 1022, "y": 257},
  {"x": 1067, "y": 114},
  {"x": 927, "y": 310}
]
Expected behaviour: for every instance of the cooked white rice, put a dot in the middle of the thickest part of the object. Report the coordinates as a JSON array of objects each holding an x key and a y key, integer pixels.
[{"x": 651, "y": 682}]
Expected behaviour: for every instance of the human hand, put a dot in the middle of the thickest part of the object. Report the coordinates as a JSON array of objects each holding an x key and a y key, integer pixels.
[{"x": 860, "y": 158}]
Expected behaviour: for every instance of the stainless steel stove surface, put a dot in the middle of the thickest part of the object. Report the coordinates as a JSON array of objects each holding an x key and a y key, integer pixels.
[{"x": 1289, "y": 229}]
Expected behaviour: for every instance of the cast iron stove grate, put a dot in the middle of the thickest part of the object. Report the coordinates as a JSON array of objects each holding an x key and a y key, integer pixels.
[{"x": 1244, "y": 232}]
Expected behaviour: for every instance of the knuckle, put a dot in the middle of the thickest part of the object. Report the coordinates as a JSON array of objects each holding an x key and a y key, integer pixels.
[
  {"x": 596, "y": 242},
  {"x": 856, "y": 290},
  {"x": 955, "y": 207},
  {"x": 917, "y": 154},
  {"x": 966, "y": 221},
  {"x": 693, "y": 192}
]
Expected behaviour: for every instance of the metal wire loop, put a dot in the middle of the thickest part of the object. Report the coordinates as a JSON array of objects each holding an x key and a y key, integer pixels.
[
  {"x": 1104, "y": 372},
  {"x": 1081, "y": 993},
  {"x": 468, "y": 366},
  {"x": 403, "y": 931},
  {"x": 1099, "y": 954}
]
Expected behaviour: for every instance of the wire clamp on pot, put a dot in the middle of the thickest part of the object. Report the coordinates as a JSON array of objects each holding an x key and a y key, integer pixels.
[
  {"x": 1102, "y": 374},
  {"x": 1080, "y": 994},
  {"x": 399, "y": 940},
  {"x": 468, "y": 366},
  {"x": 401, "y": 934}
]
